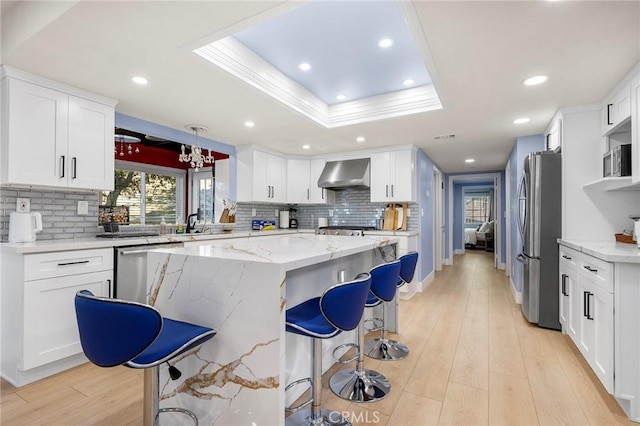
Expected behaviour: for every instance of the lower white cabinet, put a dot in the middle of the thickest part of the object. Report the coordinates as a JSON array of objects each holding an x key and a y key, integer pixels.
[
  {"x": 39, "y": 328},
  {"x": 586, "y": 309}
]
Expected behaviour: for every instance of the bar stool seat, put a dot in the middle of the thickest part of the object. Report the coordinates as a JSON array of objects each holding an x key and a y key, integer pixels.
[
  {"x": 360, "y": 384},
  {"x": 339, "y": 309},
  {"x": 383, "y": 348},
  {"x": 119, "y": 332}
]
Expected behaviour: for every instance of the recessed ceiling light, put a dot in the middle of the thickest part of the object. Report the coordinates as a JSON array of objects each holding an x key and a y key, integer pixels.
[
  {"x": 306, "y": 147},
  {"x": 249, "y": 123},
  {"x": 341, "y": 97},
  {"x": 469, "y": 160},
  {"x": 304, "y": 66},
  {"x": 408, "y": 82},
  {"x": 385, "y": 42},
  {"x": 360, "y": 139},
  {"x": 139, "y": 80},
  {"x": 521, "y": 120},
  {"x": 538, "y": 79}
]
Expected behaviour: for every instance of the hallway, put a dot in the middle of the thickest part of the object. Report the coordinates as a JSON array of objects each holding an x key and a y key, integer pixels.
[{"x": 473, "y": 360}]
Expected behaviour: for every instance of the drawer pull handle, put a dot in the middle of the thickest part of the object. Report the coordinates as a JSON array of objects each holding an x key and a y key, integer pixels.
[
  {"x": 590, "y": 269},
  {"x": 79, "y": 262},
  {"x": 564, "y": 256}
]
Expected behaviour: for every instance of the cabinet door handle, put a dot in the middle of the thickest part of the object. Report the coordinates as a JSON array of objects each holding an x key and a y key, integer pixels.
[
  {"x": 589, "y": 306},
  {"x": 590, "y": 269},
  {"x": 564, "y": 285},
  {"x": 322, "y": 192},
  {"x": 585, "y": 295},
  {"x": 609, "y": 122},
  {"x": 62, "y": 166},
  {"x": 307, "y": 194},
  {"x": 564, "y": 256},
  {"x": 268, "y": 191},
  {"x": 386, "y": 190},
  {"x": 74, "y": 160},
  {"x": 273, "y": 192},
  {"x": 110, "y": 289},
  {"x": 78, "y": 262},
  {"x": 391, "y": 191}
]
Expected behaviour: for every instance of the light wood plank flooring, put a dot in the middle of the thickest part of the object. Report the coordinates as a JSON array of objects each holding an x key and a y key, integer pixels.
[{"x": 473, "y": 360}]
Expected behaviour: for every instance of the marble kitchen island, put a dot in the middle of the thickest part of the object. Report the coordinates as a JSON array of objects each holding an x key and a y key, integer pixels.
[{"x": 241, "y": 288}]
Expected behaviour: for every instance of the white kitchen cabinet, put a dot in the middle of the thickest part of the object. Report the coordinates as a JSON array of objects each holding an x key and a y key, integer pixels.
[
  {"x": 554, "y": 134},
  {"x": 586, "y": 309},
  {"x": 262, "y": 177},
  {"x": 302, "y": 182},
  {"x": 393, "y": 176},
  {"x": 635, "y": 129},
  {"x": 39, "y": 328},
  {"x": 616, "y": 108},
  {"x": 53, "y": 138}
]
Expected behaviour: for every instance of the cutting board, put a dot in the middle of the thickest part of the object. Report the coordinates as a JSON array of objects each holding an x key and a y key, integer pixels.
[{"x": 390, "y": 218}]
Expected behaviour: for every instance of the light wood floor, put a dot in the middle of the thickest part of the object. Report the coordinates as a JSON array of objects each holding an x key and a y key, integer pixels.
[{"x": 473, "y": 360}]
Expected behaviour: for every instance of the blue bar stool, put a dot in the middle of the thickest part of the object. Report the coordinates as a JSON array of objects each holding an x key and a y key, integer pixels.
[
  {"x": 118, "y": 332},
  {"x": 359, "y": 384},
  {"x": 383, "y": 348},
  {"x": 339, "y": 309}
]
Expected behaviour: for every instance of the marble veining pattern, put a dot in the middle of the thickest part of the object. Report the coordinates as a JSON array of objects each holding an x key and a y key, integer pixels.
[
  {"x": 240, "y": 288},
  {"x": 609, "y": 251}
]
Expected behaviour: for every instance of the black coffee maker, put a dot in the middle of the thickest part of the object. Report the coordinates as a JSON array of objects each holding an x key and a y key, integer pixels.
[{"x": 293, "y": 222}]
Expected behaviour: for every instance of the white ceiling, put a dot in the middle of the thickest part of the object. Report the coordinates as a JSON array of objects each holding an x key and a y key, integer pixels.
[{"x": 482, "y": 51}]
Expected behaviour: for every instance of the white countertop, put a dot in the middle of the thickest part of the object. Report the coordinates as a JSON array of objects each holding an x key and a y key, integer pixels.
[
  {"x": 93, "y": 243},
  {"x": 609, "y": 251},
  {"x": 291, "y": 251}
]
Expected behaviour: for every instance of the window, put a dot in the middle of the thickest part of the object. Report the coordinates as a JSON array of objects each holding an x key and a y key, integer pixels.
[
  {"x": 477, "y": 208},
  {"x": 149, "y": 192},
  {"x": 203, "y": 190}
]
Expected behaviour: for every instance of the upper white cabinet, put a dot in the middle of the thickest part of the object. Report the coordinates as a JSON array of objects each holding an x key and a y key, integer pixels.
[
  {"x": 55, "y": 137},
  {"x": 635, "y": 128},
  {"x": 261, "y": 177},
  {"x": 616, "y": 108},
  {"x": 392, "y": 176},
  {"x": 554, "y": 134},
  {"x": 302, "y": 182}
]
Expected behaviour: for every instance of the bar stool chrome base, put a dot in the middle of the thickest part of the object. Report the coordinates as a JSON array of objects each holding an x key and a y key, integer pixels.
[
  {"x": 326, "y": 418},
  {"x": 385, "y": 349},
  {"x": 359, "y": 386}
]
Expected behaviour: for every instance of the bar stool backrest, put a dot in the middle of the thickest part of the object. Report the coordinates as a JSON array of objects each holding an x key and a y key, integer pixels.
[
  {"x": 408, "y": 264},
  {"x": 384, "y": 279},
  {"x": 114, "y": 331},
  {"x": 343, "y": 304}
]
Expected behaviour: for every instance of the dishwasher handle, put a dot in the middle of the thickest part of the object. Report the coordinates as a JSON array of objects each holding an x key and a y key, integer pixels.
[{"x": 146, "y": 249}]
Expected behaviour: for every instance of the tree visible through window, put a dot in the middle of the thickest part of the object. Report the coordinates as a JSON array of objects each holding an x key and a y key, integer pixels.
[
  {"x": 476, "y": 208},
  {"x": 150, "y": 196}
]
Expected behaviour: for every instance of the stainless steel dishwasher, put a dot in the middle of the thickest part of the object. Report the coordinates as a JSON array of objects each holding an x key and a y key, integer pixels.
[{"x": 131, "y": 271}]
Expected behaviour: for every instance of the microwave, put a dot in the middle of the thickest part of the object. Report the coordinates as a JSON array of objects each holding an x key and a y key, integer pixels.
[{"x": 617, "y": 162}]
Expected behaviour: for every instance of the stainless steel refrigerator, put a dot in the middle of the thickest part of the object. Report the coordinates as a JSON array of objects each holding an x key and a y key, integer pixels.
[{"x": 539, "y": 222}]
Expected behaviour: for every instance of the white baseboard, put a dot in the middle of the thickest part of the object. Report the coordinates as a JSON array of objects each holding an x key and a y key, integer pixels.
[
  {"x": 517, "y": 295},
  {"x": 447, "y": 262},
  {"x": 458, "y": 251},
  {"x": 502, "y": 266},
  {"x": 419, "y": 288}
]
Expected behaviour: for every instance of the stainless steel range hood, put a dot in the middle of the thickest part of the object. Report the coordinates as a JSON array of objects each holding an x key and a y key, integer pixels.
[{"x": 345, "y": 174}]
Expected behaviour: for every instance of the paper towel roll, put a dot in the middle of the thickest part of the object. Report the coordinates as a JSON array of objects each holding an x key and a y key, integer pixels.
[{"x": 323, "y": 222}]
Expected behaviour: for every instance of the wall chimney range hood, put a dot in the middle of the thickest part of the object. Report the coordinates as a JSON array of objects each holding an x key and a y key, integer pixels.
[{"x": 345, "y": 174}]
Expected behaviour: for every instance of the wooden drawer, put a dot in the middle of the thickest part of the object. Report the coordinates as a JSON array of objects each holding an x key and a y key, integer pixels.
[
  {"x": 597, "y": 271},
  {"x": 58, "y": 264}
]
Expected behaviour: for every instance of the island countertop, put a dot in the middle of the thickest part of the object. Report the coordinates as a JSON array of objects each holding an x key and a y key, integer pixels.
[{"x": 290, "y": 251}]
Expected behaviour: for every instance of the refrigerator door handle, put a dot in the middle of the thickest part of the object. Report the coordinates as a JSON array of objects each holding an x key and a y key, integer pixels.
[
  {"x": 521, "y": 258},
  {"x": 521, "y": 199}
]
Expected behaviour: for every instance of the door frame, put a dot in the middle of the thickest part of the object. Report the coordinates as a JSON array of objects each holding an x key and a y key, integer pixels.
[
  {"x": 499, "y": 216},
  {"x": 438, "y": 220}
]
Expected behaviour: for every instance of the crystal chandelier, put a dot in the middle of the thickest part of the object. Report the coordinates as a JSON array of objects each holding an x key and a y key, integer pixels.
[
  {"x": 196, "y": 158},
  {"x": 126, "y": 141}
]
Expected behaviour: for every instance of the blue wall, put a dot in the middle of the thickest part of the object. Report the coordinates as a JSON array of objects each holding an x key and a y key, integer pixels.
[
  {"x": 424, "y": 172},
  {"x": 523, "y": 146},
  {"x": 457, "y": 206}
]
